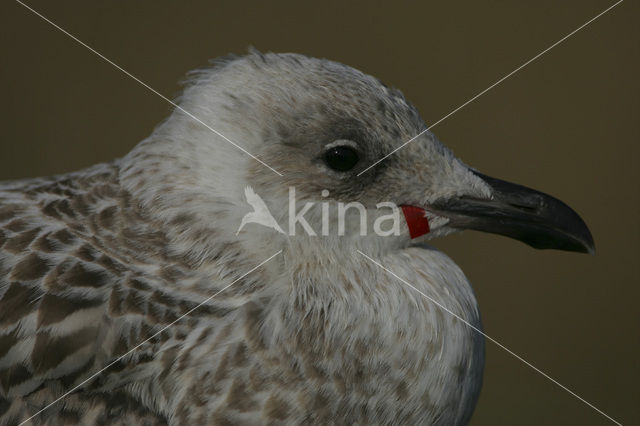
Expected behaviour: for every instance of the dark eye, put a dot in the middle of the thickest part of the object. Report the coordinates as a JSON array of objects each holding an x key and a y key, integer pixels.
[{"x": 341, "y": 158}]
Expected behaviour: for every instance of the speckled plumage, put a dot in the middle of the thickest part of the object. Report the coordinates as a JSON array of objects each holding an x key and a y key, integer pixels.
[{"x": 94, "y": 262}]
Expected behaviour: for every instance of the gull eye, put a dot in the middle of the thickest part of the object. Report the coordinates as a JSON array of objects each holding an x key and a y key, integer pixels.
[{"x": 341, "y": 158}]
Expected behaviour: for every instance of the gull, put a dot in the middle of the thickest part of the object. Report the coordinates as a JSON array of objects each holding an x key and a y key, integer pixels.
[{"x": 126, "y": 296}]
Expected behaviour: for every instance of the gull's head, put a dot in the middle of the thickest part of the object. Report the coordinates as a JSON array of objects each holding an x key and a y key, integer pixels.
[{"x": 274, "y": 122}]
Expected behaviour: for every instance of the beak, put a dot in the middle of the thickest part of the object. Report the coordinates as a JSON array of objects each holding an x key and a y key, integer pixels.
[{"x": 516, "y": 211}]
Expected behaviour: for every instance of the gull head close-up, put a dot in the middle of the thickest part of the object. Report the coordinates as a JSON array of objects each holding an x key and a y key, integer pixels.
[{"x": 261, "y": 258}]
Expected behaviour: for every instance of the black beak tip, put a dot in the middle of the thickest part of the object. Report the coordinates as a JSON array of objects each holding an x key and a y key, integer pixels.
[
  {"x": 574, "y": 227},
  {"x": 577, "y": 242},
  {"x": 588, "y": 244},
  {"x": 563, "y": 229},
  {"x": 515, "y": 211}
]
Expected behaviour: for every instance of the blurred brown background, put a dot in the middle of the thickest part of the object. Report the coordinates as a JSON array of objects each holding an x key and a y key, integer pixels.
[{"x": 566, "y": 125}]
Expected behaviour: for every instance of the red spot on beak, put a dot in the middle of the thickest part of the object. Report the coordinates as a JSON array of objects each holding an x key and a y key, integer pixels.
[{"x": 416, "y": 221}]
